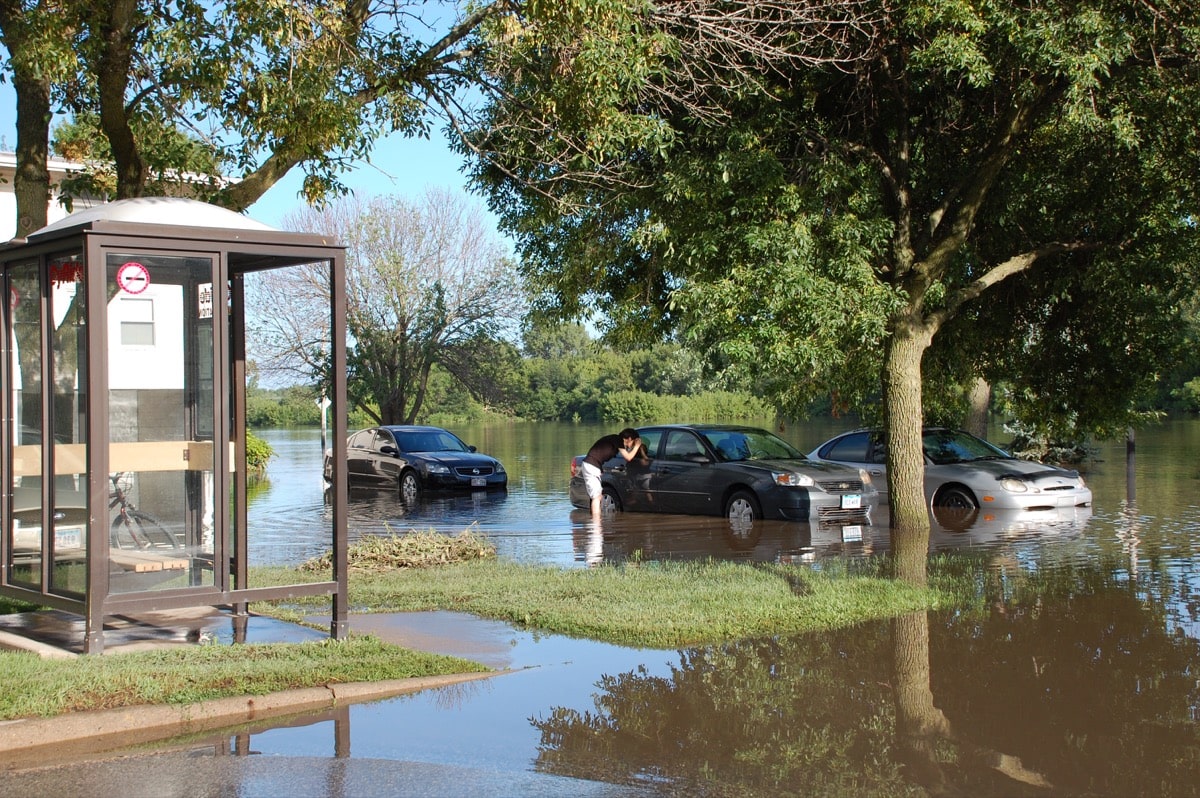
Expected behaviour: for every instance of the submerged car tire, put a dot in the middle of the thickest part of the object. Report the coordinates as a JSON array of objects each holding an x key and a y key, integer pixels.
[
  {"x": 610, "y": 502},
  {"x": 410, "y": 488},
  {"x": 956, "y": 497},
  {"x": 742, "y": 508}
]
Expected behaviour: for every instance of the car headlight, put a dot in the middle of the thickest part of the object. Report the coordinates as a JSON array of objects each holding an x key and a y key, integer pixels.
[
  {"x": 1013, "y": 485},
  {"x": 499, "y": 467},
  {"x": 437, "y": 468},
  {"x": 865, "y": 476},
  {"x": 792, "y": 480}
]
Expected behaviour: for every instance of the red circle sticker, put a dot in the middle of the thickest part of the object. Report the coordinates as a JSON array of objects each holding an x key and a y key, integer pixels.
[{"x": 133, "y": 278}]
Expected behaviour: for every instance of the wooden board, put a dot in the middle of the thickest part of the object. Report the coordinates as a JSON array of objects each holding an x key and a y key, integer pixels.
[{"x": 146, "y": 561}]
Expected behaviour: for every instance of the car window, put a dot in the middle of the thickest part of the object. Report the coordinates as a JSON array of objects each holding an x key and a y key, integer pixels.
[
  {"x": 650, "y": 439},
  {"x": 848, "y": 448},
  {"x": 682, "y": 445},
  {"x": 731, "y": 446},
  {"x": 382, "y": 438},
  {"x": 434, "y": 441},
  {"x": 362, "y": 440},
  {"x": 951, "y": 446}
]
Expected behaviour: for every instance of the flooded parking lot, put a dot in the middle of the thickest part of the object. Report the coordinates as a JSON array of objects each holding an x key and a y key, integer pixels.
[{"x": 1074, "y": 674}]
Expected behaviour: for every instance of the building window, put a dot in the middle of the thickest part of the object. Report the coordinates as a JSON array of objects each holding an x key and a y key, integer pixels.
[{"x": 137, "y": 322}]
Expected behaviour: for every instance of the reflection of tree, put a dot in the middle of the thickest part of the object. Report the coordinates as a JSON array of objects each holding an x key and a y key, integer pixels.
[
  {"x": 1076, "y": 690},
  {"x": 739, "y": 719}
]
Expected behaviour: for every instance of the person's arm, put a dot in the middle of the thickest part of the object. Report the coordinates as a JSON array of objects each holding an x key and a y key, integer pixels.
[{"x": 632, "y": 451}]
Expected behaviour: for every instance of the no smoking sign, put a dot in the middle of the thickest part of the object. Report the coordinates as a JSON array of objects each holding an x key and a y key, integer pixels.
[{"x": 133, "y": 278}]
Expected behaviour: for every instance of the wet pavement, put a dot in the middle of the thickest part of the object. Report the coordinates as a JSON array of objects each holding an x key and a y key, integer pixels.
[{"x": 311, "y": 753}]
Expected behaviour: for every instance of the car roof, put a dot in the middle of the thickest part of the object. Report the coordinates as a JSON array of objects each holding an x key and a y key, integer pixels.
[
  {"x": 705, "y": 427},
  {"x": 411, "y": 428}
]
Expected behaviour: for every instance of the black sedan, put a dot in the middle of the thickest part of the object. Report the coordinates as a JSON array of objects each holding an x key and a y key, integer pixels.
[
  {"x": 742, "y": 473},
  {"x": 416, "y": 459}
]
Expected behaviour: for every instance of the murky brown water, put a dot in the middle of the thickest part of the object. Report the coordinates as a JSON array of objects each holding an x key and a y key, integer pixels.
[{"x": 1075, "y": 673}]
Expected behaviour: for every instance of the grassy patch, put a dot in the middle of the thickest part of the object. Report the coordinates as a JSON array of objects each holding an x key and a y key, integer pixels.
[
  {"x": 36, "y": 687},
  {"x": 655, "y": 605}
]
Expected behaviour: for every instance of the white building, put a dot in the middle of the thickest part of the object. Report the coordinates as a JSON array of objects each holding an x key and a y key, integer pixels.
[{"x": 59, "y": 169}]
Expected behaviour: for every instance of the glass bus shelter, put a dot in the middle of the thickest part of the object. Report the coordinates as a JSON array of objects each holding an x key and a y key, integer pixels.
[{"x": 124, "y": 370}]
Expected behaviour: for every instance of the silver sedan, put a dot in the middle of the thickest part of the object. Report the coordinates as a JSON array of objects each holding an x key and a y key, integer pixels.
[{"x": 964, "y": 471}]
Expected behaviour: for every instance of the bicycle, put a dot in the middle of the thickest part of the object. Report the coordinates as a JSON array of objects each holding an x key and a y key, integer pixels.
[{"x": 142, "y": 530}]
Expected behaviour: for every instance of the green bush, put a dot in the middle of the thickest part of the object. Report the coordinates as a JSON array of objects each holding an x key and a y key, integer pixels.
[{"x": 258, "y": 452}]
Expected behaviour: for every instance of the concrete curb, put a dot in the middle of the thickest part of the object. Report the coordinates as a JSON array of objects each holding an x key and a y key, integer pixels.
[{"x": 27, "y": 741}]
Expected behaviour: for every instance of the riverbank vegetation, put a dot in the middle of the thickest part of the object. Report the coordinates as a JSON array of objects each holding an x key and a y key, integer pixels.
[{"x": 556, "y": 374}]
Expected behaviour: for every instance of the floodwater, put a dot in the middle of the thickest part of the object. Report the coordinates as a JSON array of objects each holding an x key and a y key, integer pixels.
[{"x": 1075, "y": 673}]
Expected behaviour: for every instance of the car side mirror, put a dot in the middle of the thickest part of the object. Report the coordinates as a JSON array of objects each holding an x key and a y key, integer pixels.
[
  {"x": 471, "y": 449},
  {"x": 389, "y": 449}
]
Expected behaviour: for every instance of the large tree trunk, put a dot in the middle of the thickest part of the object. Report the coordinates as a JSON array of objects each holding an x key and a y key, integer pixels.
[
  {"x": 112, "y": 71},
  {"x": 902, "y": 400},
  {"x": 31, "y": 183},
  {"x": 979, "y": 398}
]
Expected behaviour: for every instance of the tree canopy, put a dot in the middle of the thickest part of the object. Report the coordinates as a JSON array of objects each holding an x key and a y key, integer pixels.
[
  {"x": 817, "y": 191},
  {"x": 264, "y": 86}
]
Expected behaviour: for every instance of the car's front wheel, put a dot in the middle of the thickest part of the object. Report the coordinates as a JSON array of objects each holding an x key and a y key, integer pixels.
[
  {"x": 955, "y": 497},
  {"x": 742, "y": 508},
  {"x": 410, "y": 488}
]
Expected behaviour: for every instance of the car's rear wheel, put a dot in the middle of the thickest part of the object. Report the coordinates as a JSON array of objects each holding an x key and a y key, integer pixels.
[
  {"x": 410, "y": 488},
  {"x": 742, "y": 508},
  {"x": 955, "y": 497},
  {"x": 610, "y": 502}
]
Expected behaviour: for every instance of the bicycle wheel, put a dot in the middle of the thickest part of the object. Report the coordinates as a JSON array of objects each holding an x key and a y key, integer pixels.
[{"x": 144, "y": 531}]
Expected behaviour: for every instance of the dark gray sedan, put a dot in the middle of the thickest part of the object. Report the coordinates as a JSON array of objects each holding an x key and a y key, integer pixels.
[
  {"x": 417, "y": 459},
  {"x": 743, "y": 473}
]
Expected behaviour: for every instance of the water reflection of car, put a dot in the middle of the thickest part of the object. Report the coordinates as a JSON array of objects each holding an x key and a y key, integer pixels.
[
  {"x": 964, "y": 471},
  {"x": 635, "y": 537},
  {"x": 742, "y": 473},
  {"x": 416, "y": 459}
]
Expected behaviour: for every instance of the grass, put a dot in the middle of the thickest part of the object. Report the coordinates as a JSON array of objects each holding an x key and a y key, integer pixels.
[
  {"x": 36, "y": 687},
  {"x": 654, "y": 605},
  {"x": 651, "y": 605}
]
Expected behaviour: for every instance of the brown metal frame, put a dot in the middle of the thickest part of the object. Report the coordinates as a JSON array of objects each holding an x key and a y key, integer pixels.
[{"x": 236, "y": 252}]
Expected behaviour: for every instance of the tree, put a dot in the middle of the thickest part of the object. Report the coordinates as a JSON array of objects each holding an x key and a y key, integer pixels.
[
  {"x": 264, "y": 86},
  {"x": 427, "y": 284},
  {"x": 816, "y": 191}
]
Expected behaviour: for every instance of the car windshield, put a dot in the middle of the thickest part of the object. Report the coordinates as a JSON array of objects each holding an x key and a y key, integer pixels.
[
  {"x": 433, "y": 441},
  {"x": 944, "y": 447},
  {"x": 750, "y": 444}
]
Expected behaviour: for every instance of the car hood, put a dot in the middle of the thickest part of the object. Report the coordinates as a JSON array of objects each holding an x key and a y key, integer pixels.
[{"x": 1028, "y": 470}]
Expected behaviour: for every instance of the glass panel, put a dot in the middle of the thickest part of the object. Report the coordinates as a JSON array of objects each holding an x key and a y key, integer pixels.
[
  {"x": 161, "y": 420},
  {"x": 69, "y": 356},
  {"x": 288, "y": 323},
  {"x": 26, "y": 382}
]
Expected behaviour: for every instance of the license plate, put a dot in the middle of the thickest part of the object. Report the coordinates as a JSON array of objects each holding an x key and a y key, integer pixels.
[
  {"x": 851, "y": 533},
  {"x": 478, "y": 482},
  {"x": 851, "y": 501},
  {"x": 69, "y": 538}
]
